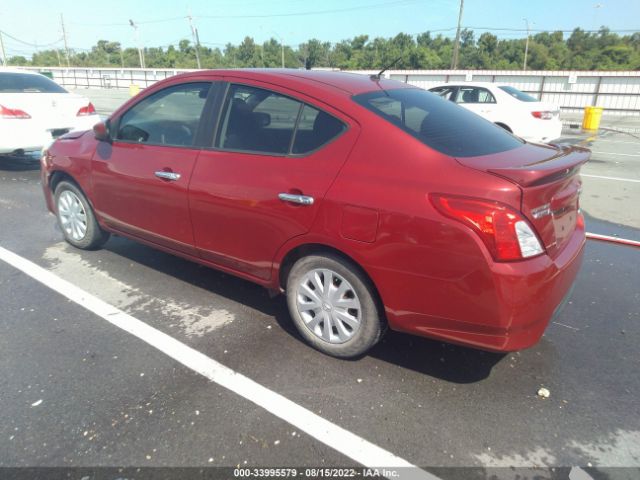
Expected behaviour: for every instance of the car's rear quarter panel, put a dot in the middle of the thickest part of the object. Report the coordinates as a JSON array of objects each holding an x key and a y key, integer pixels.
[{"x": 426, "y": 268}]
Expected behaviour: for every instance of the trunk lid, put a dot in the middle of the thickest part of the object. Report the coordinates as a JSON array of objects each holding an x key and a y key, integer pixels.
[
  {"x": 548, "y": 176},
  {"x": 544, "y": 107},
  {"x": 49, "y": 110}
]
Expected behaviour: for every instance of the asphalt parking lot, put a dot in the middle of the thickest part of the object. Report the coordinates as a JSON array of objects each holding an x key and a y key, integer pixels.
[{"x": 77, "y": 390}]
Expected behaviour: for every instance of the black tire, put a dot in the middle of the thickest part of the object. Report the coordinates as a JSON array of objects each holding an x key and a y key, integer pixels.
[
  {"x": 372, "y": 324},
  {"x": 94, "y": 236}
]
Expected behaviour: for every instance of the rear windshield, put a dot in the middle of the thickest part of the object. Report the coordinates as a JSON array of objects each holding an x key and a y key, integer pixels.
[
  {"x": 515, "y": 93},
  {"x": 439, "y": 123},
  {"x": 11, "y": 82}
]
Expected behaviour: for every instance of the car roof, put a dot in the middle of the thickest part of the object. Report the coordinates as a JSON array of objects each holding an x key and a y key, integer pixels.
[
  {"x": 334, "y": 81},
  {"x": 18, "y": 70},
  {"x": 470, "y": 84}
]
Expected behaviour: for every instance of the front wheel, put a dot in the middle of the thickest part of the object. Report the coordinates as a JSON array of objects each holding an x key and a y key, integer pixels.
[
  {"x": 333, "y": 305},
  {"x": 76, "y": 218}
]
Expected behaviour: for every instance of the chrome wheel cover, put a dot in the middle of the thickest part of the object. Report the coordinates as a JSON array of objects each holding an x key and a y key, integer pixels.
[
  {"x": 328, "y": 305},
  {"x": 72, "y": 215}
]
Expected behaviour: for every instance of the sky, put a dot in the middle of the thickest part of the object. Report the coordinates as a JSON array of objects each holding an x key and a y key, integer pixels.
[{"x": 34, "y": 23}]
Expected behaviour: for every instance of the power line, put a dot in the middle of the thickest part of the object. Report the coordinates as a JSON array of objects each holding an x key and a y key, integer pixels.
[
  {"x": 549, "y": 30},
  {"x": 35, "y": 45},
  {"x": 267, "y": 15},
  {"x": 316, "y": 12}
]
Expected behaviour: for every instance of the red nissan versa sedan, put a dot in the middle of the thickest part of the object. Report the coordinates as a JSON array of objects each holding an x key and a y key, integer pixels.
[{"x": 369, "y": 202}]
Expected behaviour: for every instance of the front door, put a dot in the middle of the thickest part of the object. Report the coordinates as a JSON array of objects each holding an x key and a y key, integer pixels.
[
  {"x": 274, "y": 159},
  {"x": 141, "y": 180}
]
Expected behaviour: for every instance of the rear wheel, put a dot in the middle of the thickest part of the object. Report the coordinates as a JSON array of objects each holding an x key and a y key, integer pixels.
[
  {"x": 76, "y": 218},
  {"x": 333, "y": 306}
]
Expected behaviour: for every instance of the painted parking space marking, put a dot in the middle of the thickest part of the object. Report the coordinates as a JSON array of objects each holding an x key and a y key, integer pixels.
[
  {"x": 610, "y": 140},
  {"x": 332, "y": 435},
  {"x": 614, "y": 153},
  {"x": 619, "y": 179}
]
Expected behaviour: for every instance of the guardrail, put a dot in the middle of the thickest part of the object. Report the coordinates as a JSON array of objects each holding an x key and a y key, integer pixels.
[{"x": 618, "y": 92}]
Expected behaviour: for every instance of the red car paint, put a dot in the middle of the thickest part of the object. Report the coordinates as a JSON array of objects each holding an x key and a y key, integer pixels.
[{"x": 371, "y": 185}]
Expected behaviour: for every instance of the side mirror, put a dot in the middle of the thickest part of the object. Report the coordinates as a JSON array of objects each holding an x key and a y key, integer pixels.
[{"x": 101, "y": 131}]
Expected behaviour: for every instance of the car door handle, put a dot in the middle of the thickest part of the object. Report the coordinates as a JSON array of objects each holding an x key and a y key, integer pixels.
[
  {"x": 298, "y": 199},
  {"x": 168, "y": 175}
]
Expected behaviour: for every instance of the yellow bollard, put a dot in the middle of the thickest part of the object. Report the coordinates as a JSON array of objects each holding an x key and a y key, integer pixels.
[
  {"x": 591, "y": 119},
  {"x": 134, "y": 90}
]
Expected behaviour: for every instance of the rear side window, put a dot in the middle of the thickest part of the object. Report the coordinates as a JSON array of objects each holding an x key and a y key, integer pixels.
[
  {"x": 474, "y": 95},
  {"x": 263, "y": 121},
  {"x": 315, "y": 128},
  {"x": 438, "y": 123},
  {"x": 515, "y": 93},
  {"x": 11, "y": 82},
  {"x": 258, "y": 120},
  {"x": 168, "y": 117},
  {"x": 444, "y": 92}
]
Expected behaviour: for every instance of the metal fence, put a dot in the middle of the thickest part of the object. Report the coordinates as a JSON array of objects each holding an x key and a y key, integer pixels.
[{"x": 617, "y": 92}]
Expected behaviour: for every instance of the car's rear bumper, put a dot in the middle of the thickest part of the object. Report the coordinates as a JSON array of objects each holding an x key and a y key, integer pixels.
[
  {"x": 18, "y": 135},
  {"x": 542, "y": 131},
  {"x": 507, "y": 309}
]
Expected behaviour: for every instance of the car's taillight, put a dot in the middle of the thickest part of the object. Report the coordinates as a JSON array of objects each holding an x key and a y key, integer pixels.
[
  {"x": 86, "y": 110},
  {"x": 13, "y": 113},
  {"x": 543, "y": 115},
  {"x": 504, "y": 231}
]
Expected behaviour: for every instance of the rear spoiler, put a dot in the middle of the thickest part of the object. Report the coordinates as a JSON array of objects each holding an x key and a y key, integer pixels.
[{"x": 564, "y": 163}]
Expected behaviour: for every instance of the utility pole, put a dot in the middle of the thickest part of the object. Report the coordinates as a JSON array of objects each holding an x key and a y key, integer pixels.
[
  {"x": 456, "y": 46},
  {"x": 137, "y": 37},
  {"x": 4, "y": 56},
  {"x": 526, "y": 46},
  {"x": 64, "y": 36},
  {"x": 281, "y": 46},
  {"x": 196, "y": 39}
]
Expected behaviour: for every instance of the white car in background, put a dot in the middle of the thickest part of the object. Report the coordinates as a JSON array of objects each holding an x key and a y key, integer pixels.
[
  {"x": 504, "y": 105},
  {"x": 35, "y": 110}
]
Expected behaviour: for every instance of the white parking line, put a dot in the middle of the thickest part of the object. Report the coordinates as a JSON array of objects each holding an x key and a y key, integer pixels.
[
  {"x": 343, "y": 441},
  {"x": 620, "y": 179},
  {"x": 617, "y": 142},
  {"x": 614, "y": 153}
]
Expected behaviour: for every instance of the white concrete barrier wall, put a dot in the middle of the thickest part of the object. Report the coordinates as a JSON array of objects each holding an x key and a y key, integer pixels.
[{"x": 618, "y": 92}]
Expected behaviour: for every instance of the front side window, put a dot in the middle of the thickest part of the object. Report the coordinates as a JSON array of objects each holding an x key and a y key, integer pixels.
[
  {"x": 439, "y": 124},
  {"x": 168, "y": 117},
  {"x": 474, "y": 95}
]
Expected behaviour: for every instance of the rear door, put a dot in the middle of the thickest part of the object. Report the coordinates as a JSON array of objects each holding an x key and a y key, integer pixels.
[
  {"x": 141, "y": 180},
  {"x": 273, "y": 158},
  {"x": 447, "y": 92},
  {"x": 479, "y": 100}
]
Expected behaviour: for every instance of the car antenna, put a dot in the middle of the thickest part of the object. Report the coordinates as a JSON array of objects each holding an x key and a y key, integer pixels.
[{"x": 378, "y": 75}]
